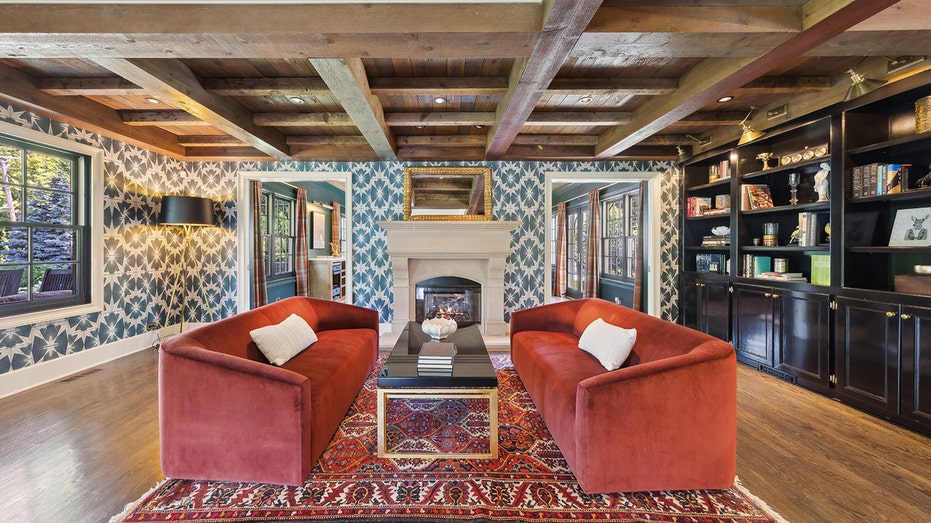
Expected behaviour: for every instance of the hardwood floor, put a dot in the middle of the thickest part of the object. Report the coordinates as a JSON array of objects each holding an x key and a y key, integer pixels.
[{"x": 79, "y": 449}]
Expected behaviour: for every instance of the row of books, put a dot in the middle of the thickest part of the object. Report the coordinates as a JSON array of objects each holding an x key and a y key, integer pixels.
[
  {"x": 755, "y": 196},
  {"x": 809, "y": 229},
  {"x": 697, "y": 206},
  {"x": 436, "y": 359},
  {"x": 716, "y": 263},
  {"x": 879, "y": 178}
]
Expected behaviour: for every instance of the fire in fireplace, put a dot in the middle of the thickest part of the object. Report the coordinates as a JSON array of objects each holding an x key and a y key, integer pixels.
[{"x": 458, "y": 299}]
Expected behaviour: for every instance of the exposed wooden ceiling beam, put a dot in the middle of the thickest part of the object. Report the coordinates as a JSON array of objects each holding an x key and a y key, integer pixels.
[
  {"x": 318, "y": 141},
  {"x": 439, "y": 119},
  {"x": 786, "y": 85},
  {"x": 444, "y": 29},
  {"x": 209, "y": 140},
  {"x": 161, "y": 118},
  {"x": 696, "y": 18},
  {"x": 713, "y": 78},
  {"x": 615, "y": 86},
  {"x": 555, "y": 139},
  {"x": 347, "y": 80},
  {"x": 564, "y": 22},
  {"x": 577, "y": 118},
  {"x": 334, "y": 154},
  {"x": 226, "y": 154},
  {"x": 88, "y": 86},
  {"x": 266, "y": 86},
  {"x": 448, "y": 86},
  {"x": 172, "y": 81},
  {"x": 442, "y": 141},
  {"x": 303, "y": 120},
  {"x": 19, "y": 89}
]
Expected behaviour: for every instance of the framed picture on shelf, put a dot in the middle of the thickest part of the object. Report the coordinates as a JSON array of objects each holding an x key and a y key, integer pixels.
[{"x": 912, "y": 228}]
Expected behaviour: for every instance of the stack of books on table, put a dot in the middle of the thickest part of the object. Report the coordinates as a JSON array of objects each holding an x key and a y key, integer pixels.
[{"x": 436, "y": 359}]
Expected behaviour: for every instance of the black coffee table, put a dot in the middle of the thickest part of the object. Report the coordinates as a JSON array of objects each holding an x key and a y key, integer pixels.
[{"x": 472, "y": 376}]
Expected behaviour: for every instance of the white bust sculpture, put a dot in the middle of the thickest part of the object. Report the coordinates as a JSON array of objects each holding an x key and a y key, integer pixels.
[{"x": 821, "y": 182}]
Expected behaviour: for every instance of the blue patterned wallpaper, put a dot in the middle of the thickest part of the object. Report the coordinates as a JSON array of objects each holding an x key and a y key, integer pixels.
[{"x": 142, "y": 260}]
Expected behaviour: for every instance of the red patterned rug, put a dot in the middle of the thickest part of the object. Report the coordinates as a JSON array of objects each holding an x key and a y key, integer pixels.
[{"x": 529, "y": 481}]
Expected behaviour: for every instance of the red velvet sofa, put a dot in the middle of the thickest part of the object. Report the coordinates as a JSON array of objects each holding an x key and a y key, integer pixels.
[
  {"x": 667, "y": 419},
  {"x": 227, "y": 414}
]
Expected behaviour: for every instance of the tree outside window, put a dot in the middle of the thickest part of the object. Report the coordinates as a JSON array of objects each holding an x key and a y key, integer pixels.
[{"x": 42, "y": 247}]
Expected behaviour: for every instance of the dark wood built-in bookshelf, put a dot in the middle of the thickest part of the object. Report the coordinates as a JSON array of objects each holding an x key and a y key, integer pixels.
[{"x": 850, "y": 324}]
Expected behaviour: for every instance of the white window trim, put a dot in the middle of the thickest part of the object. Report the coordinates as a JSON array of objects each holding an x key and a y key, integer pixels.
[{"x": 95, "y": 196}]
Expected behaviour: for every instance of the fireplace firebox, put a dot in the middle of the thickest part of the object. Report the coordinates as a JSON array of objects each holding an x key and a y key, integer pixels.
[{"x": 458, "y": 299}]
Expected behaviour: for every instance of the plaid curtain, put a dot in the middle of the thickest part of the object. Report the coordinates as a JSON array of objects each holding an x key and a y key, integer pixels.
[
  {"x": 593, "y": 249},
  {"x": 638, "y": 273},
  {"x": 300, "y": 256},
  {"x": 259, "y": 291},
  {"x": 336, "y": 231},
  {"x": 559, "y": 281}
]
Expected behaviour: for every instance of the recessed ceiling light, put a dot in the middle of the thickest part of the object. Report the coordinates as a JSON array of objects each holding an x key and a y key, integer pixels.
[
  {"x": 723, "y": 99},
  {"x": 585, "y": 99},
  {"x": 479, "y": 126},
  {"x": 153, "y": 101},
  {"x": 296, "y": 100},
  {"x": 439, "y": 100}
]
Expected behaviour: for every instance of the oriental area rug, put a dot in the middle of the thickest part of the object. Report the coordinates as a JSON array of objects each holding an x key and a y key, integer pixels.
[{"x": 529, "y": 481}]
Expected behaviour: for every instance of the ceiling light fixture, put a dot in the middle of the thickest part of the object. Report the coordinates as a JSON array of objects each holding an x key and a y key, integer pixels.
[
  {"x": 861, "y": 85},
  {"x": 439, "y": 100},
  {"x": 296, "y": 100},
  {"x": 723, "y": 99},
  {"x": 152, "y": 100},
  {"x": 749, "y": 133},
  {"x": 587, "y": 99}
]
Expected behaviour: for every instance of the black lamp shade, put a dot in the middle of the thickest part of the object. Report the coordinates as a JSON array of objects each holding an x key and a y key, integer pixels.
[{"x": 186, "y": 210}]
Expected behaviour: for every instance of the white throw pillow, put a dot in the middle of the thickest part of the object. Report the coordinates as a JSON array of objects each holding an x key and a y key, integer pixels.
[
  {"x": 279, "y": 343},
  {"x": 610, "y": 344}
]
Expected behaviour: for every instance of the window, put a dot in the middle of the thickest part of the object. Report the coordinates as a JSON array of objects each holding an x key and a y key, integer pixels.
[
  {"x": 45, "y": 260},
  {"x": 577, "y": 252},
  {"x": 554, "y": 219},
  {"x": 278, "y": 234},
  {"x": 620, "y": 236}
]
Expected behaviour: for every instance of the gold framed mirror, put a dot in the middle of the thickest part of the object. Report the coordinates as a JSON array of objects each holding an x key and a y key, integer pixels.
[{"x": 447, "y": 193}]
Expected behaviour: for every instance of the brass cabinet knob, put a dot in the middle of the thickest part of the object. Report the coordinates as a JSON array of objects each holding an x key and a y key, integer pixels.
[
  {"x": 906, "y": 316},
  {"x": 890, "y": 314}
]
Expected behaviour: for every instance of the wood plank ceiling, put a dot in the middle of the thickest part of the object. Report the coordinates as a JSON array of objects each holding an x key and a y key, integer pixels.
[{"x": 521, "y": 80}]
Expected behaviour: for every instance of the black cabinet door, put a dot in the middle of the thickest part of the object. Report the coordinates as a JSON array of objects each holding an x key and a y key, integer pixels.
[
  {"x": 690, "y": 300},
  {"x": 753, "y": 323},
  {"x": 716, "y": 301},
  {"x": 867, "y": 353},
  {"x": 803, "y": 337},
  {"x": 916, "y": 367}
]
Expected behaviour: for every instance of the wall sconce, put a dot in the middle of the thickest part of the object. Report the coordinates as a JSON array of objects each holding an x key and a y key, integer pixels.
[
  {"x": 186, "y": 212},
  {"x": 685, "y": 155},
  {"x": 749, "y": 133},
  {"x": 861, "y": 85}
]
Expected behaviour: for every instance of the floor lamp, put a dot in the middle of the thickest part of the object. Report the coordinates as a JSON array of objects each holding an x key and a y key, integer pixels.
[{"x": 186, "y": 212}]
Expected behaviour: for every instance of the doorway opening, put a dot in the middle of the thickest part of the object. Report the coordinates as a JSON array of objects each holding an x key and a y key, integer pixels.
[{"x": 246, "y": 243}]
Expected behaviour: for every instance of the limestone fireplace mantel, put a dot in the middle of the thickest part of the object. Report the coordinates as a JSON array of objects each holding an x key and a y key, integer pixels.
[{"x": 473, "y": 250}]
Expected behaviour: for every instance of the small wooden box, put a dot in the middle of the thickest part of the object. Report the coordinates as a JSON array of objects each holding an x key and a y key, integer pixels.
[{"x": 913, "y": 284}]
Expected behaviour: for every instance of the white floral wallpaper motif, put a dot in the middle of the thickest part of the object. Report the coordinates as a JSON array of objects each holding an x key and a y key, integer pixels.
[{"x": 143, "y": 260}]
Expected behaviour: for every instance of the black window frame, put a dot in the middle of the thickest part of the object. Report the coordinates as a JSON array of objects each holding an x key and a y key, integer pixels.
[
  {"x": 79, "y": 222},
  {"x": 272, "y": 239}
]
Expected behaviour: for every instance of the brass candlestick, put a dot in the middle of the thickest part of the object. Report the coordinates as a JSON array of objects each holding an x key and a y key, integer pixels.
[{"x": 765, "y": 158}]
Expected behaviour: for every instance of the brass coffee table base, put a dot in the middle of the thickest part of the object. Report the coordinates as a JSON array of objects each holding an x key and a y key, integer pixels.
[{"x": 491, "y": 394}]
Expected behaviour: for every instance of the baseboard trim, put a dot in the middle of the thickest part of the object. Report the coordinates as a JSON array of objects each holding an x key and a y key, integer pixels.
[{"x": 35, "y": 375}]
